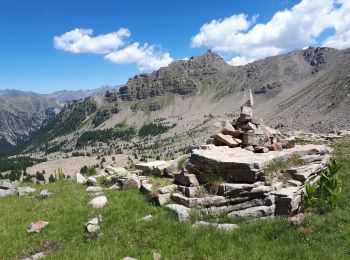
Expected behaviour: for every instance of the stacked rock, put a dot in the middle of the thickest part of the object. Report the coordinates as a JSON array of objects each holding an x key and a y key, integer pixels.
[{"x": 250, "y": 133}]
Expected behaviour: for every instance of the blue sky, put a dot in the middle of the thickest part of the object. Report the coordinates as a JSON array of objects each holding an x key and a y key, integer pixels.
[{"x": 240, "y": 31}]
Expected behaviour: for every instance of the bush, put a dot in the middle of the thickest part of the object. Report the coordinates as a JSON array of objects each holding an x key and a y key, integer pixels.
[
  {"x": 181, "y": 162},
  {"x": 40, "y": 176},
  {"x": 14, "y": 175},
  {"x": 27, "y": 178},
  {"x": 324, "y": 194},
  {"x": 52, "y": 179},
  {"x": 88, "y": 170}
]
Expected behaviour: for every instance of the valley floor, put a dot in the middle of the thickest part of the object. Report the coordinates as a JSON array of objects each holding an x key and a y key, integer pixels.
[{"x": 326, "y": 236}]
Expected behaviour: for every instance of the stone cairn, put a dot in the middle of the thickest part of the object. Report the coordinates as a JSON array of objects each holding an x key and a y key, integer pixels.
[
  {"x": 228, "y": 174},
  {"x": 250, "y": 133}
]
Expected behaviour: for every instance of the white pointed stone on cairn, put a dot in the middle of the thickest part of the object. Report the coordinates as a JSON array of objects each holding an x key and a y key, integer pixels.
[{"x": 246, "y": 108}]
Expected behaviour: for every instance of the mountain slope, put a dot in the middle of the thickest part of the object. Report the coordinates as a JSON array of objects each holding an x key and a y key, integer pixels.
[
  {"x": 21, "y": 115},
  {"x": 297, "y": 90}
]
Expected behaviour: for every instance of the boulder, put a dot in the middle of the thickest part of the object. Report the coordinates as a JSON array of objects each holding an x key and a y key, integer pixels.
[
  {"x": 226, "y": 140},
  {"x": 22, "y": 191},
  {"x": 91, "y": 181},
  {"x": 250, "y": 138},
  {"x": 98, "y": 202},
  {"x": 116, "y": 170},
  {"x": 185, "y": 179},
  {"x": 148, "y": 218},
  {"x": 183, "y": 212},
  {"x": 92, "y": 226},
  {"x": 132, "y": 183},
  {"x": 288, "y": 143},
  {"x": 6, "y": 184},
  {"x": 80, "y": 178},
  {"x": 44, "y": 194},
  {"x": 9, "y": 192},
  {"x": 37, "y": 227}
]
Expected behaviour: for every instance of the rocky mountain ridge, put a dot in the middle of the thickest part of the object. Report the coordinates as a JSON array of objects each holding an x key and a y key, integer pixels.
[{"x": 298, "y": 90}]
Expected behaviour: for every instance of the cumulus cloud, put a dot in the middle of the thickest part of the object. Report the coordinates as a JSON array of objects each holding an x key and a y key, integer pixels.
[
  {"x": 82, "y": 41},
  {"x": 339, "y": 41},
  {"x": 246, "y": 40},
  {"x": 239, "y": 61},
  {"x": 147, "y": 57},
  {"x": 114, "y": 48}
]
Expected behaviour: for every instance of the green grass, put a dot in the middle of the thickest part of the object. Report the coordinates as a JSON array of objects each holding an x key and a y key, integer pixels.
[
  {"x": 181, "y": 162},
  {"x": 67, "y": 212},
  {"x": 278, "y": 165}
]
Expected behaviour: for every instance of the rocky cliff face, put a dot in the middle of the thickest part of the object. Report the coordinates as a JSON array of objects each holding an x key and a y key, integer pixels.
[
  {"x": 181, "y": 77},
  {"x": 211, "y": 71}
]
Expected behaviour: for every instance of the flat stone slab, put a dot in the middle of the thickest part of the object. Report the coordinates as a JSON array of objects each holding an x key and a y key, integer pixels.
[
  {"x": 183, "y": 212},
  {"x": 225, "y": 226},
  {"x": 203, "y": 202},
  {"x": 242, "y": 189},
  {"x": 149, "y": 167},
  {"x": 254, "y": 212},
  {"x": 240, "y": 165}
]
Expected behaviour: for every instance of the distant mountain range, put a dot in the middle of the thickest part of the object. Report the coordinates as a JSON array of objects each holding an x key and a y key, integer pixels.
[
  {"x": 301, "y": 90},
  {"x": 23, "y": 113}
]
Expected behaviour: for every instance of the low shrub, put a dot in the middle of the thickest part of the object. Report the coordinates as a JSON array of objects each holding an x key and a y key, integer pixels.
[{"x": 324, "y": 194}]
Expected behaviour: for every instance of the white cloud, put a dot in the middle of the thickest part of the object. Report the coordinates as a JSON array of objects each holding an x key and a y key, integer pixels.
[
  {"x": 239, "y": 61},
  {"x": 293, "y": 28},
  {"x": 339, "y": 41},
  {"x": 147, "y": 57},
  {"x": 112, "y": 45},
  {"x": 82, "y": 41}
]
